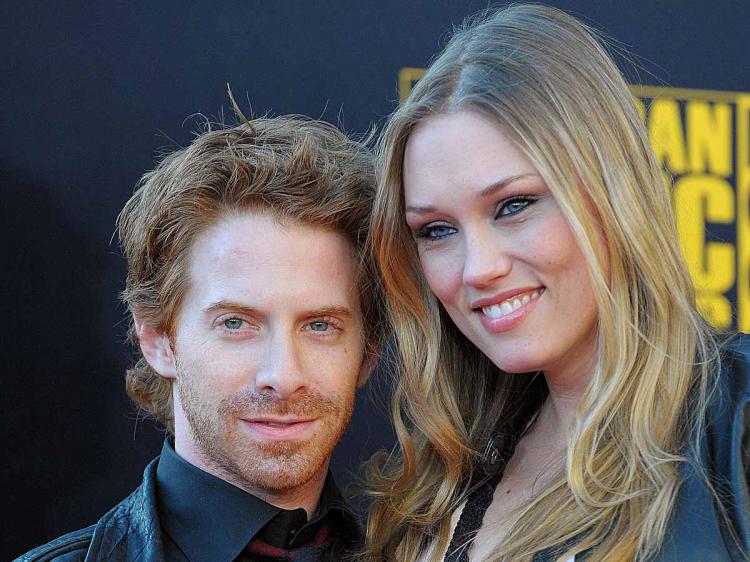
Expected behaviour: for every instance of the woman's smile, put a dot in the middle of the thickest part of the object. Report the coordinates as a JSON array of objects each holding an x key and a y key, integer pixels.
[{"x": 503, "y": 313}]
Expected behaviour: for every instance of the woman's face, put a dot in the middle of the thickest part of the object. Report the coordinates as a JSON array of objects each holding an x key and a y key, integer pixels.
[{"x": 496, "y": 249}]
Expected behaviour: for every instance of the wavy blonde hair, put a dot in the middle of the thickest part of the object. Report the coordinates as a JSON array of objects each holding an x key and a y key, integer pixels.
[{"x": 547, "y": 81}]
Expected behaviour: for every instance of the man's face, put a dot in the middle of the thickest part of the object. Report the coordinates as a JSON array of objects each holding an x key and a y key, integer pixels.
[{"x": 268, "y": 350}]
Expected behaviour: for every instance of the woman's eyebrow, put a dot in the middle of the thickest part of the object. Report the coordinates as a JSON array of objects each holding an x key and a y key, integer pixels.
[
  {"x": 486, "y": 192},
  {"x": 419, "y": 210},
  {"x": 498, "y": 185}
]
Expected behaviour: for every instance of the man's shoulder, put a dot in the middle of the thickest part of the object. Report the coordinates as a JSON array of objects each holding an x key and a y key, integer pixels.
[
  {"x": 68, "y": 548},
  {"x": 130, "y": 524}
]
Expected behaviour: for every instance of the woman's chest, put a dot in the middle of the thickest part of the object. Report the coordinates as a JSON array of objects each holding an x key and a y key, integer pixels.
[{"x": 520, "y": 484}]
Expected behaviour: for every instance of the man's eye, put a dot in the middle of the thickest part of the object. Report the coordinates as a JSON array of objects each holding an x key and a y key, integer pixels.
[
  {"x": 319, "y": 326},
  {"x": 435, "y": 231},
  {"x": 233, "y": 323},
  {"x": 513, "y": 206},
  {"x": 325, "y": 326}
]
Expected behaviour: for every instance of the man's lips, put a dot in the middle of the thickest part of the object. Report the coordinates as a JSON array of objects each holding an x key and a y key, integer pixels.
[
  {"x": 273, "y": 429},
  {"x": 278, "y": 420}
]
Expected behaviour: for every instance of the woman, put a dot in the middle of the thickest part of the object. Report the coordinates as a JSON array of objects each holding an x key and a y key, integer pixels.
[{"x": 559, "y": 397}]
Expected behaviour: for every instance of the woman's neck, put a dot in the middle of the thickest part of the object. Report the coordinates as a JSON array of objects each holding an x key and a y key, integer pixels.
[{"x": 566, "y": 388}]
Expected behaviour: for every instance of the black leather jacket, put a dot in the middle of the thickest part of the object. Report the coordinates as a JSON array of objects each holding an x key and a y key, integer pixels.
[
  {"x": 697, "y": 531},
  {"x": 128, "y": 532}
]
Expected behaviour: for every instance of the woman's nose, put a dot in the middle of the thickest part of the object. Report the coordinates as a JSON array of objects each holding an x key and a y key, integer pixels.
[{"x": 486, "y": 261}]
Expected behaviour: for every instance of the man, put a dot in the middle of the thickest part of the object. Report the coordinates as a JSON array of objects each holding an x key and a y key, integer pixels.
[{"x": 254, "y": 307}]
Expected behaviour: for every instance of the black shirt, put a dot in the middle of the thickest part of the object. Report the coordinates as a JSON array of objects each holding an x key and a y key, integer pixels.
[{"x": 206, "y": 519}]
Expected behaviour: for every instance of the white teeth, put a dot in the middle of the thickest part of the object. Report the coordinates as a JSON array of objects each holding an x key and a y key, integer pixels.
[
  {"x": 493, "y": 311},
  {"x": 506, "y": 307}
]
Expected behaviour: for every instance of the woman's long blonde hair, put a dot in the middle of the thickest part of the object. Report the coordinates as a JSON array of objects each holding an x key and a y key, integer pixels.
[{"x": 547, "y": 81}]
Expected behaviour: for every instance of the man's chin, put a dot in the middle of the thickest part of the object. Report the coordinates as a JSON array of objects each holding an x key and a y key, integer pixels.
[
  {"x": 279, "y": 471},
  {"x": 274, "y": 467}
]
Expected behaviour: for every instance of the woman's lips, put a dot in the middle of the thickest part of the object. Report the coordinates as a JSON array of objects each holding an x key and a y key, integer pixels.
[
  {"x": 269, "y": 429},
  {"x": 507, "y": 313}
]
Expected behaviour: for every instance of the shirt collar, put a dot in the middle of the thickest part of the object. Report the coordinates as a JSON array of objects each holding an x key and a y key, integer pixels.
[{"x": 213, "y": 520}]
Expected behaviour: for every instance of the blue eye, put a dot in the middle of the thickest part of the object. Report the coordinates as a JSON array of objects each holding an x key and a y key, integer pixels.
[
  {"x": 233, "y": 323},
  {"x": 319, "y": 326},
  {"x": 435, "y": 231},
  {"x": 513, "y": 206}
]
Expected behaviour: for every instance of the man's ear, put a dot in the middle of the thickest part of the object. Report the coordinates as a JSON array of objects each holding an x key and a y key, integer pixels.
[
  {"x": 156, "y": 349},
  {"x": 368, "y": 366}
]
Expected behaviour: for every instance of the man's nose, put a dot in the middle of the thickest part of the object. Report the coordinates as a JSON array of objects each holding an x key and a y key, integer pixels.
[
  {"x": 486, "y": 259},
  {"x": 281, "y": 373}
]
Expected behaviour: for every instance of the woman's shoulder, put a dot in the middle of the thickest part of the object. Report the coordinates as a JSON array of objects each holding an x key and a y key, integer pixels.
[
  {"x": 736, "y": 353},
  {"x": 727, "y": 446},
  {"x": 728, "y": 408},
  {"x": 733, "y": 390}
]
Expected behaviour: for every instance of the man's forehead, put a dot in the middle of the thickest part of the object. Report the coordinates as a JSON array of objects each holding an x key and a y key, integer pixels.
[
  {"x": 257, "y": 234},
  {"x": 257, "y": 252}
]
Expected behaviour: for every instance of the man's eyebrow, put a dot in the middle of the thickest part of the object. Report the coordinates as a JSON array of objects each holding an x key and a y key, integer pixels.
[
  {"x": 486, "y": 192},
  {"x": 330, "y": 311},
  {"x": 249, "y": 310},
  {"x": 231, "y": 305}
]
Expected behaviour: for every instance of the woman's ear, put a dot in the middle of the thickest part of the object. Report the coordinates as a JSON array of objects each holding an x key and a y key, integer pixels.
[{"x": 156, "y": 348}]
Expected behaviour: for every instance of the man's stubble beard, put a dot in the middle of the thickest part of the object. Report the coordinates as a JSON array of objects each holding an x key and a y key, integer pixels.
[{"x": 275, "y": 467}]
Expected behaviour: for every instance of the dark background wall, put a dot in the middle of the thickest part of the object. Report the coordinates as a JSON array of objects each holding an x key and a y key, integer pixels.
[{"x": 90, "y": 92}]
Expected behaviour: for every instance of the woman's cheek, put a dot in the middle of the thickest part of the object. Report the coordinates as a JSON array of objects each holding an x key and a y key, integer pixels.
[{"x": 442, "y": 274}]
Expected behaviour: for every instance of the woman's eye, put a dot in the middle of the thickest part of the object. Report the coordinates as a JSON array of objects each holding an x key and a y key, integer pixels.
[
  {"x": 513, "y": 206},
  {"x": 435, "y": 231},
  {"x": 233, "y": 323}
]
